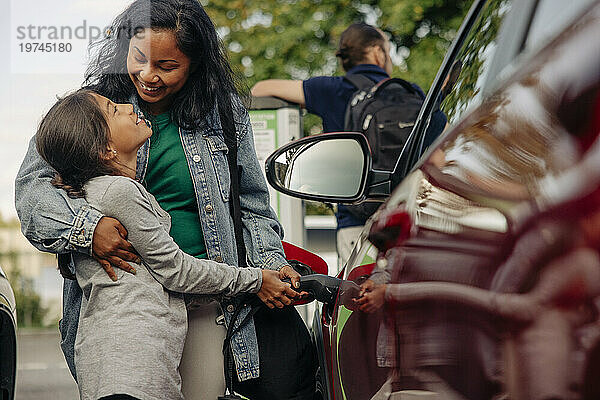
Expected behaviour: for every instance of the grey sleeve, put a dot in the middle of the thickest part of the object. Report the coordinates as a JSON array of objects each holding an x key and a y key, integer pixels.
[
  {"x": 51, "y": 220},
  {"x": 174, "y": 269}
]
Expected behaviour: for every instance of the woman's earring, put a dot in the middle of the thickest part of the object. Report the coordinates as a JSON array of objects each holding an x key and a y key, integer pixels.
[{"x": 114, "y": 152}]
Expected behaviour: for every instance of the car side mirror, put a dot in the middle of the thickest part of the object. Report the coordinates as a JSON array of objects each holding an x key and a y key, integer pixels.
[{"x": 332, "y": 167}]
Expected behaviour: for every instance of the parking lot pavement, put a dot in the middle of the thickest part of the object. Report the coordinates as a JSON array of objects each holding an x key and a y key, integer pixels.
[{"x": 42, "y": 373}]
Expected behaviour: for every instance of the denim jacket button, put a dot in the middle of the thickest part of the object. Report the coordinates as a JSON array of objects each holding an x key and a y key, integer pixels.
[
  {"x": 230, "y": 308},
  {"x": 196, "y": 158},
  {"x": 219, "y": 259},
  {"x": 209, "y": 208}
]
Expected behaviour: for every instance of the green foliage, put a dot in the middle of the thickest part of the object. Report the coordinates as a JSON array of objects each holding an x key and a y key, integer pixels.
[
  {"x": 316, "y": 208},
  {"x": 8, "y": 223},
  {"x": 424, "y": 28},
  {"x": 30, "y": 312},
  {"x": 296, "y": 39},
  {"x": 473, "y": 56},
  {"x": 282, "y": 38}
]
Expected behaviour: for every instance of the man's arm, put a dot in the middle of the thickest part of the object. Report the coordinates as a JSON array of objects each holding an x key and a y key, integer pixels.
[{"x": 285, "y": 89}]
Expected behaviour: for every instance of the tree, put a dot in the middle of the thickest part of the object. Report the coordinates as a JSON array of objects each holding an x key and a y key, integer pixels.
[
  {"x": 30, "y": 312},
  {"x": 423, "y": 31},
  {"x": 297, "y": 38}
]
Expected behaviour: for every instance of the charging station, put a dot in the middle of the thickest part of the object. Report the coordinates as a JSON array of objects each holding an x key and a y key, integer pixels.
[{"x": 276, "y": 122}]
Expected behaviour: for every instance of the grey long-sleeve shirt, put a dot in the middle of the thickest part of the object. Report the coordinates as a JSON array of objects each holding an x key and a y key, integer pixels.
[{"x": 131, "y": 332}]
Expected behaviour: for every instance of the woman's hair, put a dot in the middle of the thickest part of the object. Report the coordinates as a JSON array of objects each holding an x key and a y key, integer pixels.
[
  {"x": 72, "y": 138},
  {"x": 211, "y": 79},
  {"x": 355, "y": 41}
]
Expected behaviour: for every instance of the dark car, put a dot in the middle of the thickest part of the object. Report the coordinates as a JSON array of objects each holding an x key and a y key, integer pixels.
[
  {"x": 8, "y": 339},
  {"x": 488, "y": 245}
]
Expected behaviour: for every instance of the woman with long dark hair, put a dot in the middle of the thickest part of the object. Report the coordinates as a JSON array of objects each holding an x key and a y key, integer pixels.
[{"x": 164, "y": 57}]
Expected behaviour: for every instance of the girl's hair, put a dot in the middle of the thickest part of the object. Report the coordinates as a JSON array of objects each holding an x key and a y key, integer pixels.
[
  {"x": 72, "y": 138},
  {"x": 355, "y": 41},
  {"x": 211, "y": 79}
]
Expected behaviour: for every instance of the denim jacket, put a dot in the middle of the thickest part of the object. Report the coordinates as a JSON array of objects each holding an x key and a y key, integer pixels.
[{"x": 55, "y": 223}]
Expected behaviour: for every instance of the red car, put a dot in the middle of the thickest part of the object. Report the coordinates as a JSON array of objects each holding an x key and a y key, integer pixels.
[{"x": 487, "y": 248}]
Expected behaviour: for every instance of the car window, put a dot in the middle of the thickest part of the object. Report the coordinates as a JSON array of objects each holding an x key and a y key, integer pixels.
[
  {"x": 514, "y": 146},
  {"x": 474, "y": 60},
  {"x": 477, "y": 59},
  {"x": 551, "y": 17}
]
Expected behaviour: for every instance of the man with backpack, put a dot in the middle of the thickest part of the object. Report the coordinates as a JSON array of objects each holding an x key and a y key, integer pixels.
[{"x": 365, "y": 100}]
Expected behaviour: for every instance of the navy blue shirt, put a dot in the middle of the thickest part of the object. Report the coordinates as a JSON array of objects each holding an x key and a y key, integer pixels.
[{"x": 327, "y": 97}]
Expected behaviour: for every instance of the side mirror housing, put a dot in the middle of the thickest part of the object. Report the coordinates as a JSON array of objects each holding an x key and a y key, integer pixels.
[{"x": 331, "y": 167}]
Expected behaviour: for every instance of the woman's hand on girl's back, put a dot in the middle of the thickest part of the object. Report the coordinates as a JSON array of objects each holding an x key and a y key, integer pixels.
[
  {"x": 274, "y": 292},
  {"x": 111, "y": 248}
]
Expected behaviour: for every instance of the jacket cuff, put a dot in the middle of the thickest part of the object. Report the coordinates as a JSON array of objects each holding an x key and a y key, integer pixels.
[
  {"x": 275, "y": 262},
  {"x": 84, "y": 225}
]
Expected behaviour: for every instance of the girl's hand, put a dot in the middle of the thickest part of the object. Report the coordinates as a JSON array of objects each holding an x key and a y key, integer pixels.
[
  {"x": 274, "y": 292},
  {"x": 111, "y": 248}
]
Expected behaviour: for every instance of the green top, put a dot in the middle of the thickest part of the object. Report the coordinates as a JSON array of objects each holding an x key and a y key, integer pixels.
[{"x": 168, "y": 179}]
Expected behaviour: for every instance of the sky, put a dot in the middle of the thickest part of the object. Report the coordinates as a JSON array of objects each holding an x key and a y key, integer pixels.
[{"x": 31, "y": 81}]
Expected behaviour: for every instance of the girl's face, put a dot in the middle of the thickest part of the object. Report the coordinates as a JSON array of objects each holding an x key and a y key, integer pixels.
[
  {"x": 128, "y": 132},
  {"x": 157, "y": 68}
]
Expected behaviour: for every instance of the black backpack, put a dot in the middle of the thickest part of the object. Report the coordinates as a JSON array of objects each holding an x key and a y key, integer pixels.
[{"x": 385, "y": 113}]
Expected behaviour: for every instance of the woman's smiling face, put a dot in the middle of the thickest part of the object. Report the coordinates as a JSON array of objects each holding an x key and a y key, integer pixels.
[{"x": 157, "y": 68}]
